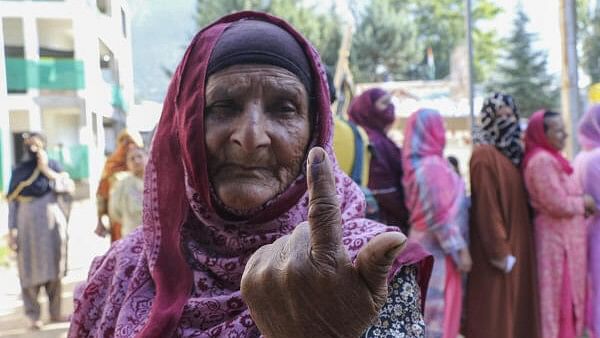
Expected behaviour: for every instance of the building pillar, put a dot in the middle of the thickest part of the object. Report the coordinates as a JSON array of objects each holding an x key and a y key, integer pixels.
[
  {"x": 31, "y": 44},
  {"x": 5, "y": 139},
  {"x": 34, "y": 117},
  {"x": 86, "y": 49},
  {"x": 32, "y": 54}
]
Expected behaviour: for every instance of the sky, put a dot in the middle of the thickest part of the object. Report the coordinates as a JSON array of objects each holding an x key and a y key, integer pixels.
[
  {"x": 543, "y": 20},
  {"x": 162, "y": 29}
]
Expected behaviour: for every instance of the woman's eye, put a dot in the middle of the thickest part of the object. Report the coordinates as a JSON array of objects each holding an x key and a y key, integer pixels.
[
  {"x": 287, "y": 109},
  {"x": 221, "y": 108},
  {"x": 284, "y": 108}
]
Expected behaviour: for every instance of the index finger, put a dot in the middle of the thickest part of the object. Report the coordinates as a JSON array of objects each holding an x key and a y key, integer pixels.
[{"x": 324, "y": 215}]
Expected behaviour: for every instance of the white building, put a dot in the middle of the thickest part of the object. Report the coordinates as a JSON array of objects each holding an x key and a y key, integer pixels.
[{"x": 66, "y": 70}]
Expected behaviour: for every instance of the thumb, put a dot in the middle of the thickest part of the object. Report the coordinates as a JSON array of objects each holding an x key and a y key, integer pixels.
[{"x": 375, "y": 259}]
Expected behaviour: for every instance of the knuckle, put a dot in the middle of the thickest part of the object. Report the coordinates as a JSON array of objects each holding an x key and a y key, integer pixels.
[
  {"x": 375, "y": 264},
  {"x": 295, "y": 271},
  {"x": 324, "y": 260},
  {"x": 325, "y": 209}
]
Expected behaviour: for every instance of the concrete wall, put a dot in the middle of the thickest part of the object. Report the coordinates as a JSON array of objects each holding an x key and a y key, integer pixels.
[{"x": 61, "y": 126}]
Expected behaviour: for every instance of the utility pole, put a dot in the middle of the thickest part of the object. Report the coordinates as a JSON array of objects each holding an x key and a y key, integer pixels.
[
  {"x": 569, "y": 84},
  {"x": 470, "y": 58}
]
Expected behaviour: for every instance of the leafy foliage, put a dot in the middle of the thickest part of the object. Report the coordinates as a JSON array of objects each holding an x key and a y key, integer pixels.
[
  {"x": 385, "y": 43},
  {"x": 391, "y": 37},
  {"x": 415, "y": 26},
  {"x": 522, "y": 72},
  {"x": 322, "y": 28},
  {"x": 589, "y": 37}
]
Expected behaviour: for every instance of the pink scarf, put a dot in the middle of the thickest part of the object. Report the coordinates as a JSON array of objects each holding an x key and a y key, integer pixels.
[
  {"x": 535, "y": 141},
  {"x": 589, "y": 128},
  {"x": 180, "y": 275},
  {"x": 434, "y": 192}
]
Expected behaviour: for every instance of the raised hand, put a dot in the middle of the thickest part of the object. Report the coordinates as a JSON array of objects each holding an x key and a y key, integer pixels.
[{"x": 304, "y": 284}]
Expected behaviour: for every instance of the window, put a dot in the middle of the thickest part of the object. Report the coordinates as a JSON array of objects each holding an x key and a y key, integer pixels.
[{"x": 14, "y": 53}]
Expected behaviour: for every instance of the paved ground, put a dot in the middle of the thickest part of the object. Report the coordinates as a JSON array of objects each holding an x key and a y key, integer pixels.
[{"x": 83, "y": 246}]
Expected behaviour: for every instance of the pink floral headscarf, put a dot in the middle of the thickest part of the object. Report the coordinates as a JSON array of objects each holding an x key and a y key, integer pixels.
[
  {"x": 589, "y": 128},
  {"x": 434, "y": 192},
  {"x": 180, "y": 274}
]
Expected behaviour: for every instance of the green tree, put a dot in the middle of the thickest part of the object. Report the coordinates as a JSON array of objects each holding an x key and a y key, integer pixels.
[
  {"x": 437, "y": 24},
  {"x": 522, "y": 72},
  {"x": 384, "y": 44},
  {"x": 591, "y": 46},
  {"x": 322, "y": 28},
  {"x": 441, "y": 24}
]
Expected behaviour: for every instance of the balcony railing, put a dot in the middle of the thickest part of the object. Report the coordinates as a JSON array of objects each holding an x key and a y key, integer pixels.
[
  {"x": 74, "y": 160},
  {"x": 117, "y": 98},
  {"x": 47, "y": 73}
]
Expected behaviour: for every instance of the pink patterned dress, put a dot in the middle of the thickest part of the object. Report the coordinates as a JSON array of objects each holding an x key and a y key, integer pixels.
[
  {"x": 560, "y": 237},
  {"x": 435, "y": 196}
]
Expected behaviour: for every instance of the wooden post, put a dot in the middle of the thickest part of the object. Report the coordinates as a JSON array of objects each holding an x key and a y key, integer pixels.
[{"x": 569, "y": 84}]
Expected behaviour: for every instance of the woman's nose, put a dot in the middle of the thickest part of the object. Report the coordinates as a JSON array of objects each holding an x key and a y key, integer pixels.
[{"x": 250, "y": 129}]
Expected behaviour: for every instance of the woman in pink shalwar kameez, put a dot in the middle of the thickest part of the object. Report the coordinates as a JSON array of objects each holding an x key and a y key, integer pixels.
[
  {"x": 560, "y": 233},
  {"x": 435, "y": 195},
  {"x": 587, "y": 172}
]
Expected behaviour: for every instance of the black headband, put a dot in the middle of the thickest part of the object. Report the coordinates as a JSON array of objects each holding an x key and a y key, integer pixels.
[{"x": 259, "y": 42}]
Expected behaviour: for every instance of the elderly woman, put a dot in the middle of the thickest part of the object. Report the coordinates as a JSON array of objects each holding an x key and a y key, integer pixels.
[
  {"x": 115, "y": 164},
  {"x": 587, "y": 171},
  {"x": 37, "y": 229},
  {"x": 560, "y": 232},
  {"x": 435, "y": 194},
  {"x": 374, "y": 111},
  {"x": 501, "y": 297},
  {"x": 250, "y": 228}
]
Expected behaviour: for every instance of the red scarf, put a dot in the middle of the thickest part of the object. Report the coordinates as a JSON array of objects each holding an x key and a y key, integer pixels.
[{"x": 536, "y": 141}]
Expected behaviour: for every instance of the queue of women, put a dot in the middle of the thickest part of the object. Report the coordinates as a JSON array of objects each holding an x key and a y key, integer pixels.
[
  {"x": 532, "y": 272},
  {"x": 249, "y": 227}
]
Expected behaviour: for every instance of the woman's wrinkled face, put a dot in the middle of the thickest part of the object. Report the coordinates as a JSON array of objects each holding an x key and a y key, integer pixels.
[
  {"x": 555, "y": 132},
  {"x": 257, "y": 132}
]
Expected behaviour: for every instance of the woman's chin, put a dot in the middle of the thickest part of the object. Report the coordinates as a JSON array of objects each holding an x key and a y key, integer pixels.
[{"x": 244, "y": 202}]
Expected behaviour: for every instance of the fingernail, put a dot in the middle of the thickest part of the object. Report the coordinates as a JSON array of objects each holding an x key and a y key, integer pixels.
[
  {"x": 393, "y": 253},
  {"x": 316, "y": 157}
]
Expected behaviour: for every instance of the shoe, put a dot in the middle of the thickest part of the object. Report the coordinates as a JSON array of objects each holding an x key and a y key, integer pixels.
[{"x": 35, "y": 324}]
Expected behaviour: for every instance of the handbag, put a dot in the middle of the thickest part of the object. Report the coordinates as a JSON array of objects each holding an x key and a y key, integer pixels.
[{"x": 63, "y": 184}]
